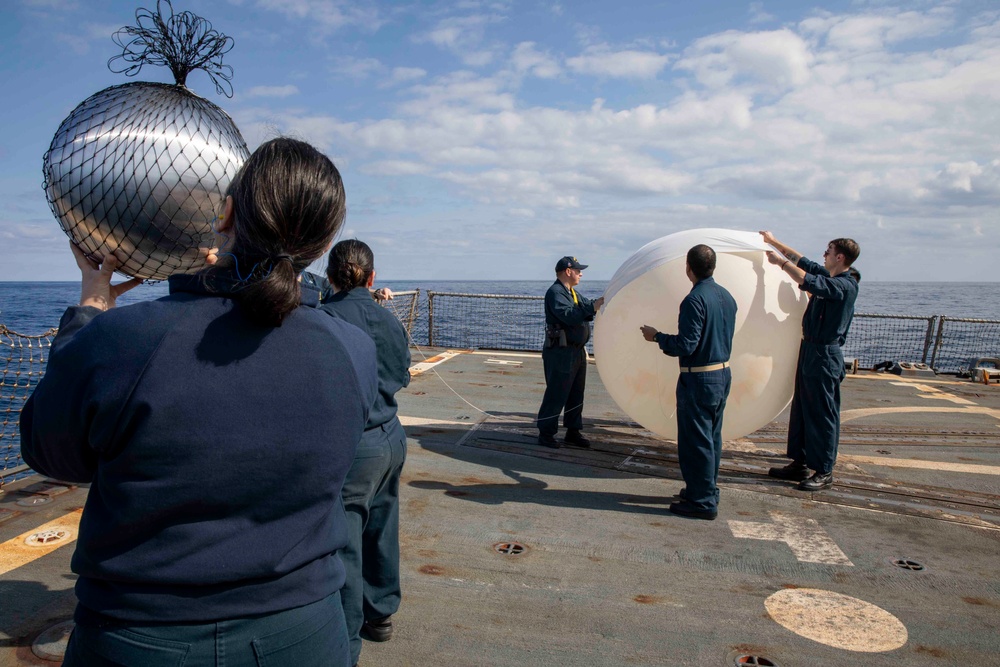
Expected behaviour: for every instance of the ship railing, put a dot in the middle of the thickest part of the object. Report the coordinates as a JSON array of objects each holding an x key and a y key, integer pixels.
[
  {"x": 21, "y": 367},
  {"x": 406, "y": 307},
  {"x": 485, "y": 321},
  {"x": 516, "y": 322}
]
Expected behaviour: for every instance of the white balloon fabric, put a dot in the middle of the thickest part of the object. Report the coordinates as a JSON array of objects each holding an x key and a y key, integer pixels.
[{"x": 648, "y": 289}]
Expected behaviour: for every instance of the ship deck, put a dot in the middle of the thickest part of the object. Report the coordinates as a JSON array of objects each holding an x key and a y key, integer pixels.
[{"x": 517, "y": 554}]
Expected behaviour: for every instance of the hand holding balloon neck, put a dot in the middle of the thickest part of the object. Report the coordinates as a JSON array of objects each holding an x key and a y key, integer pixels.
[
  {"x": 96, "y": 289},
  {"x": 648, "y": 332}
]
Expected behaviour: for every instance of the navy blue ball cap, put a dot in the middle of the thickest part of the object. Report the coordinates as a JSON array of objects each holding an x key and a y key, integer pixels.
[{"x": 568, "y": 262}]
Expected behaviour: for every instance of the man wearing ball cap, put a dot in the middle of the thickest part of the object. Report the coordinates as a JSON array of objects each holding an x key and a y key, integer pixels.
[{"x": 567, "y": 330}]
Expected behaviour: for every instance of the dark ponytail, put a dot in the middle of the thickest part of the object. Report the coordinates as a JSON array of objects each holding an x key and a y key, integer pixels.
[
  {"x": 288, "y": 204},
  {"x": 351, "y": 265}
]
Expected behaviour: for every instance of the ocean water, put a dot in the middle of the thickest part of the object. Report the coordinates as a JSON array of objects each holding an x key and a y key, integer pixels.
[{"x": 33, "y": 307}]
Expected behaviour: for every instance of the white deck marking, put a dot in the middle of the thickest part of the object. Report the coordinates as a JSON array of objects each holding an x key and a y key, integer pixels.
[
  {"x": 804, "y": 537},
  {"x": 934, "y": 392},
  {"x": 836, "y": 620},
  {"x": 503, "y": 362},
  {"x": 424, "y": 366},
  {"x": 406, "y": 420},
  {"x": 14, "y": 552},
  {"x": 496, "y": 353}
]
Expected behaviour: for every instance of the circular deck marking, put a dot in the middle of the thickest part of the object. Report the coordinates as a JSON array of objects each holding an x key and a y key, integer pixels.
[{"x": 836, "y": 620}]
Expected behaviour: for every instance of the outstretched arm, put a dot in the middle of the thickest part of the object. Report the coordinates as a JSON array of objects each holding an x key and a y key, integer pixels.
[
  {"x": 788, "y": 266},
  {"x": 789, "y": 252}
]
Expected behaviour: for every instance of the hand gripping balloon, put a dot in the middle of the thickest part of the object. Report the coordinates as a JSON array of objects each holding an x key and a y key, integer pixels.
[
  {"x": 142, "y": 167},
  {"x": 648, "y": 289}
]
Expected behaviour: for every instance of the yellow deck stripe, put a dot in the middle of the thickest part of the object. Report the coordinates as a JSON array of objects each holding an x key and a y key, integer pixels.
[
  {"x": 858, "y": 413},
  {"x": 423, "y": 366},
  {"x": 923, "y": 465},
  {"x": 14, "y": 552}
]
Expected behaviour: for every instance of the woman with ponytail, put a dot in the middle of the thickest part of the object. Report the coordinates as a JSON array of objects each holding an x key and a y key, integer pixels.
[
  {"x": 371, "y": 592},
  {"x": 214, "y": 518}
]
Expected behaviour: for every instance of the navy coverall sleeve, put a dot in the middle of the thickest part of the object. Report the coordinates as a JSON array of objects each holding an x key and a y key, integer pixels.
[
  {"x": 818, "y": 281},
  {"x": 69, "y": 396},
  {"x": 560, "y": 304},
  {"x": 689, "y": 326}
]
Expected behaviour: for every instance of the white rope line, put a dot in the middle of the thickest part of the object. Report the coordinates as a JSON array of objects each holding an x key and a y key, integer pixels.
[{"x": 454, "y": 391}]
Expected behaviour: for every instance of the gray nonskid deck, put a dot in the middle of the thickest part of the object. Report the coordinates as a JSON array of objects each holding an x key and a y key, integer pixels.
[{"x": 608, "y": 577}]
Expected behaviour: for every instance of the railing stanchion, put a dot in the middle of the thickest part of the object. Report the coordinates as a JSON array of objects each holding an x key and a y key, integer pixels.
[
  {"x": 430, "y": 318},
  {"x": 928, "y": 338}
]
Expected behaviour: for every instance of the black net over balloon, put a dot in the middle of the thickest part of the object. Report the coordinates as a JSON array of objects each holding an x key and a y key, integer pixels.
[{"x": 142, "y": 168}]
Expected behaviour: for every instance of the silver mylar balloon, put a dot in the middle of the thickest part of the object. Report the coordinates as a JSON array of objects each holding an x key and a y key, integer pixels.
[{"x": 142, "y": 168}]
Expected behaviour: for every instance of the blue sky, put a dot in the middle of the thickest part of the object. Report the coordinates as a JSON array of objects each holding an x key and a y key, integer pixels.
[{"x": 484, "y": 140}]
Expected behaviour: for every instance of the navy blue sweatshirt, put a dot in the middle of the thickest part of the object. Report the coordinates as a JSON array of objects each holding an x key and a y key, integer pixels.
[
  {"x": 705, "y": 326},
  {"x": 830, "y": 310},
  {"x": 215, "y": 487},
  {"x": 391, "y": 344},
  {"x": 561, "y": 312}
]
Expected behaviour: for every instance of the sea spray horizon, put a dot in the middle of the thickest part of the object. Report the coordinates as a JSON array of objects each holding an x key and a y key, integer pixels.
[{"x": 31, "y": 308}]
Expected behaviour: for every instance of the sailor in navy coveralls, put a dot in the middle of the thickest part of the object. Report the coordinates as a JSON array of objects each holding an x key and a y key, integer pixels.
[
  {"x": 372, "y": 591},
  {"x": 567, "y": 330},
  {"x": 703, "y": 343},
  {"x": 814, "y": 421}
]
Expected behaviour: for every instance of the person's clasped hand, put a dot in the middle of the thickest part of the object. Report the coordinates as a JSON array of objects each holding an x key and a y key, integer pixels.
[{"x": 96, "y": 289}]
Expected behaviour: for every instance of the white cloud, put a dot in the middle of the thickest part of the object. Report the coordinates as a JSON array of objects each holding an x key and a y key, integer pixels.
[
  {"x": 396, "y": 168},
  {"x": 758, "y": 15},
  {"x": 527, "y": 59},
  {"x": 465, "y": 36},
  {"x": 778, "y": 58},
  {"x": 873, "y": 32},
  {"x": 327, "y": 16},
  {"x": 357, "y": 68},
  {"x": 459, "y": 88},
  {"x": 602, "y": 61},
  {"x": 273, "y": 91},
  {"x": 404, "y": 75}
]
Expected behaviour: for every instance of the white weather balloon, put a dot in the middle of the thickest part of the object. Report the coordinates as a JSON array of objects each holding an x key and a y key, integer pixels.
[{"x": 648, "y": 289}]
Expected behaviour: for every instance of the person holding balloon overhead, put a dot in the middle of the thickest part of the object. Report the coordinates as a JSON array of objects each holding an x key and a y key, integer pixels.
[
  {"x": 212, "y": 527},
  {"x": 703, "y": 343},
  {"x": 814, "y": 420}
]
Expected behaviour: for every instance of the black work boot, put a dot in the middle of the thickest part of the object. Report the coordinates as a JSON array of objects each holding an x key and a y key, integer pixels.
[
  {"x": 574, "y": 437},
  {"x": 377, "y": 630},
  {"x": 546, "y": 440},
  {"x": 795, "y": 471},
  {"x": 816, "y": 482}
]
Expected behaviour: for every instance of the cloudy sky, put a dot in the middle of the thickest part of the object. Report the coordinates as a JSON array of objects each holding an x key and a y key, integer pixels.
[{"x": 484, "y": 140}]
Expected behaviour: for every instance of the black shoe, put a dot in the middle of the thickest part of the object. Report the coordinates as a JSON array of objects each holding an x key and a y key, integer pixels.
[
  {"x": 795, "y": 471},
  {"x": 817, "y": 482},
  {"x": 685, "y": 509},
  {"x": 546, "y": 440},
  {"x": 683, "y": 493},
  {"x": 377, "y": 630},
  {"x": 574, "y": 437}
]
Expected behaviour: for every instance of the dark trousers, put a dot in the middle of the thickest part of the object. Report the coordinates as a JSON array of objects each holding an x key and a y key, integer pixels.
[
  {"x": 565, "y": 382},
  {"x": 701, "y": 401},
  {"x": 371, "y": 558},
  {"x": 313, "y": 635},
  {"x": 814, "y": 421}
]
